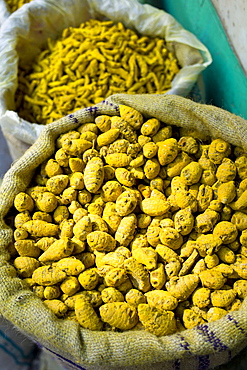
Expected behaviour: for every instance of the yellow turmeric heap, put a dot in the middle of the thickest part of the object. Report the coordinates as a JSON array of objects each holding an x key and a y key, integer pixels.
[
  {"x": 16, "y": 4},
  {"x": 119, "y": 230},
  {"x": 89, "y": 63}
]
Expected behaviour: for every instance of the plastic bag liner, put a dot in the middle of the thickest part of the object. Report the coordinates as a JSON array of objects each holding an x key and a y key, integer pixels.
[
  {"x": 25, "y": 33},
  {"x": 202, "y": 347}
]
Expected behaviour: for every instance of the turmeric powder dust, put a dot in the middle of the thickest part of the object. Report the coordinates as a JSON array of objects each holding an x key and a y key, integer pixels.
[{"x": 88, "y": 64}]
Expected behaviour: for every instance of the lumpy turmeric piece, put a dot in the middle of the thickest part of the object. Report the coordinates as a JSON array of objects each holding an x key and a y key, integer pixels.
[
  {"x": 175, "y": 167},
  {"x": 184, "y": 199},
  {"x": 240, "y": 203},
  {"x": 226, "y": 231},
  {"x": 150, "y": 127},
  {"x": 70, "y": 265},
  {"x": 167, "y": 254},
  {"x": 240, "y": 266},
  {"x": 143, "y": 220},
  {"x": 240, "y": 287},
  {"x": 111, "y": 217},
  {"x": 48, "y": 275},
  {"x": 204, "y": 197},
  {"x": 205, "y": 222},
  {"x": 135, "y": 297},
  {"x": 46, "y": 201},
  {"x": 119, "y": 314},
  {"x": 86, "y": 314},
  {"x": 20, "y": 234},
  {"x": 23, "y": 202},
  {"x": 184, "y": 221},
  {"x": 241, "y": 163},
  {"x": 155, "y": 206},
  {"x": 76, "y": 180},
  {"x": 103, "y": 122},
  {"x": 215, "y": 313},
  {"x": 89, "y": 278},
  {"x": 44, "y": 216},
  {"x": 149, "y": 150},
  {"x": 211, "y": 260},
  {"x": 167, "y": 151},
  {"x": 208, "y": 244},
  {"x": 188, "y": 144},
  {"x": 117, "y": 160},
  {"x": 101, "y": 241},
  {"x": 21, "y": 218},
  {"x": 161, "y": 300},
  {"x": 226, "y": 255},
  {"x": 108, "y": 137},
  {"x": 126, "y": 203},
  {"x": 39, "y": 228},
  {"x": 56, "y": 184},
  {"x": 51, "y": 292},
  {"x": 192, "y": 319},
  {"x": 212, "y": 279},
  {"x": 60, "y": 214},
  {"x": 138, "y": 274},
  {"x": 59, "y": 249},
  {"x": 115, "y": 277},
  {"x": 68, "y": 195},
  {"x": 124, "y": 233},
  {"x": 26, "y": 266},
  {"x": 27, "y": 248},
  {"x": 191, "y": 173},
  {"x": 125, "y": 177},
  {"x": 218, "y": 150},
  {"x": 239, "y": 219},
  {"x": 56, "y": 306},
  {"x": 156, "y": 322},
  {"x": 94, "y": 174},
  {"x": 226, "y": 171},
  {"x": 158, "y": 277},
  {"x": 147, "y": 256},
  {"x": 171, "y": 238},
  {"x": 182, "y": 287},
  {"x": 111, "y": 294},
  {"x": 82, "y": 228},
  {"x": 117, "y": 258},
  {"x": 76, "y": 147},
  {"x": 151, "y": 168},
  {"x": 70, "y": 285},
  {"x": 222, "y": 297},
  {"x": 201, "y": 297}
]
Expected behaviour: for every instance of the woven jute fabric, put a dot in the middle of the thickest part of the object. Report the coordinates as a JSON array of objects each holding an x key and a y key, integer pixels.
[{"x": 203, "y": 347}]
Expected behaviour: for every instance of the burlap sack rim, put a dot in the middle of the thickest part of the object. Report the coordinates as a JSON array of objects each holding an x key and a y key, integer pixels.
[{"x": 137, "y": 348}]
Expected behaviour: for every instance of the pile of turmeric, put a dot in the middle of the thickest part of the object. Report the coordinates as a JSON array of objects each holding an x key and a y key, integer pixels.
[
  {"x": 134, "y": 224},
  {"x": 89, "y": 63}
]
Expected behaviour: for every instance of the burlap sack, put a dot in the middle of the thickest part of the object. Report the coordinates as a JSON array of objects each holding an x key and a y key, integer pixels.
[
  {"x": 25, "y": 33},
  {"x": 202, "y": 347}
]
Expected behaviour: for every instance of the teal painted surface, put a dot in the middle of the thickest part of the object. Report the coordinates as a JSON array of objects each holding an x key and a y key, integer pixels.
[{"x": 225, "y": 80}]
